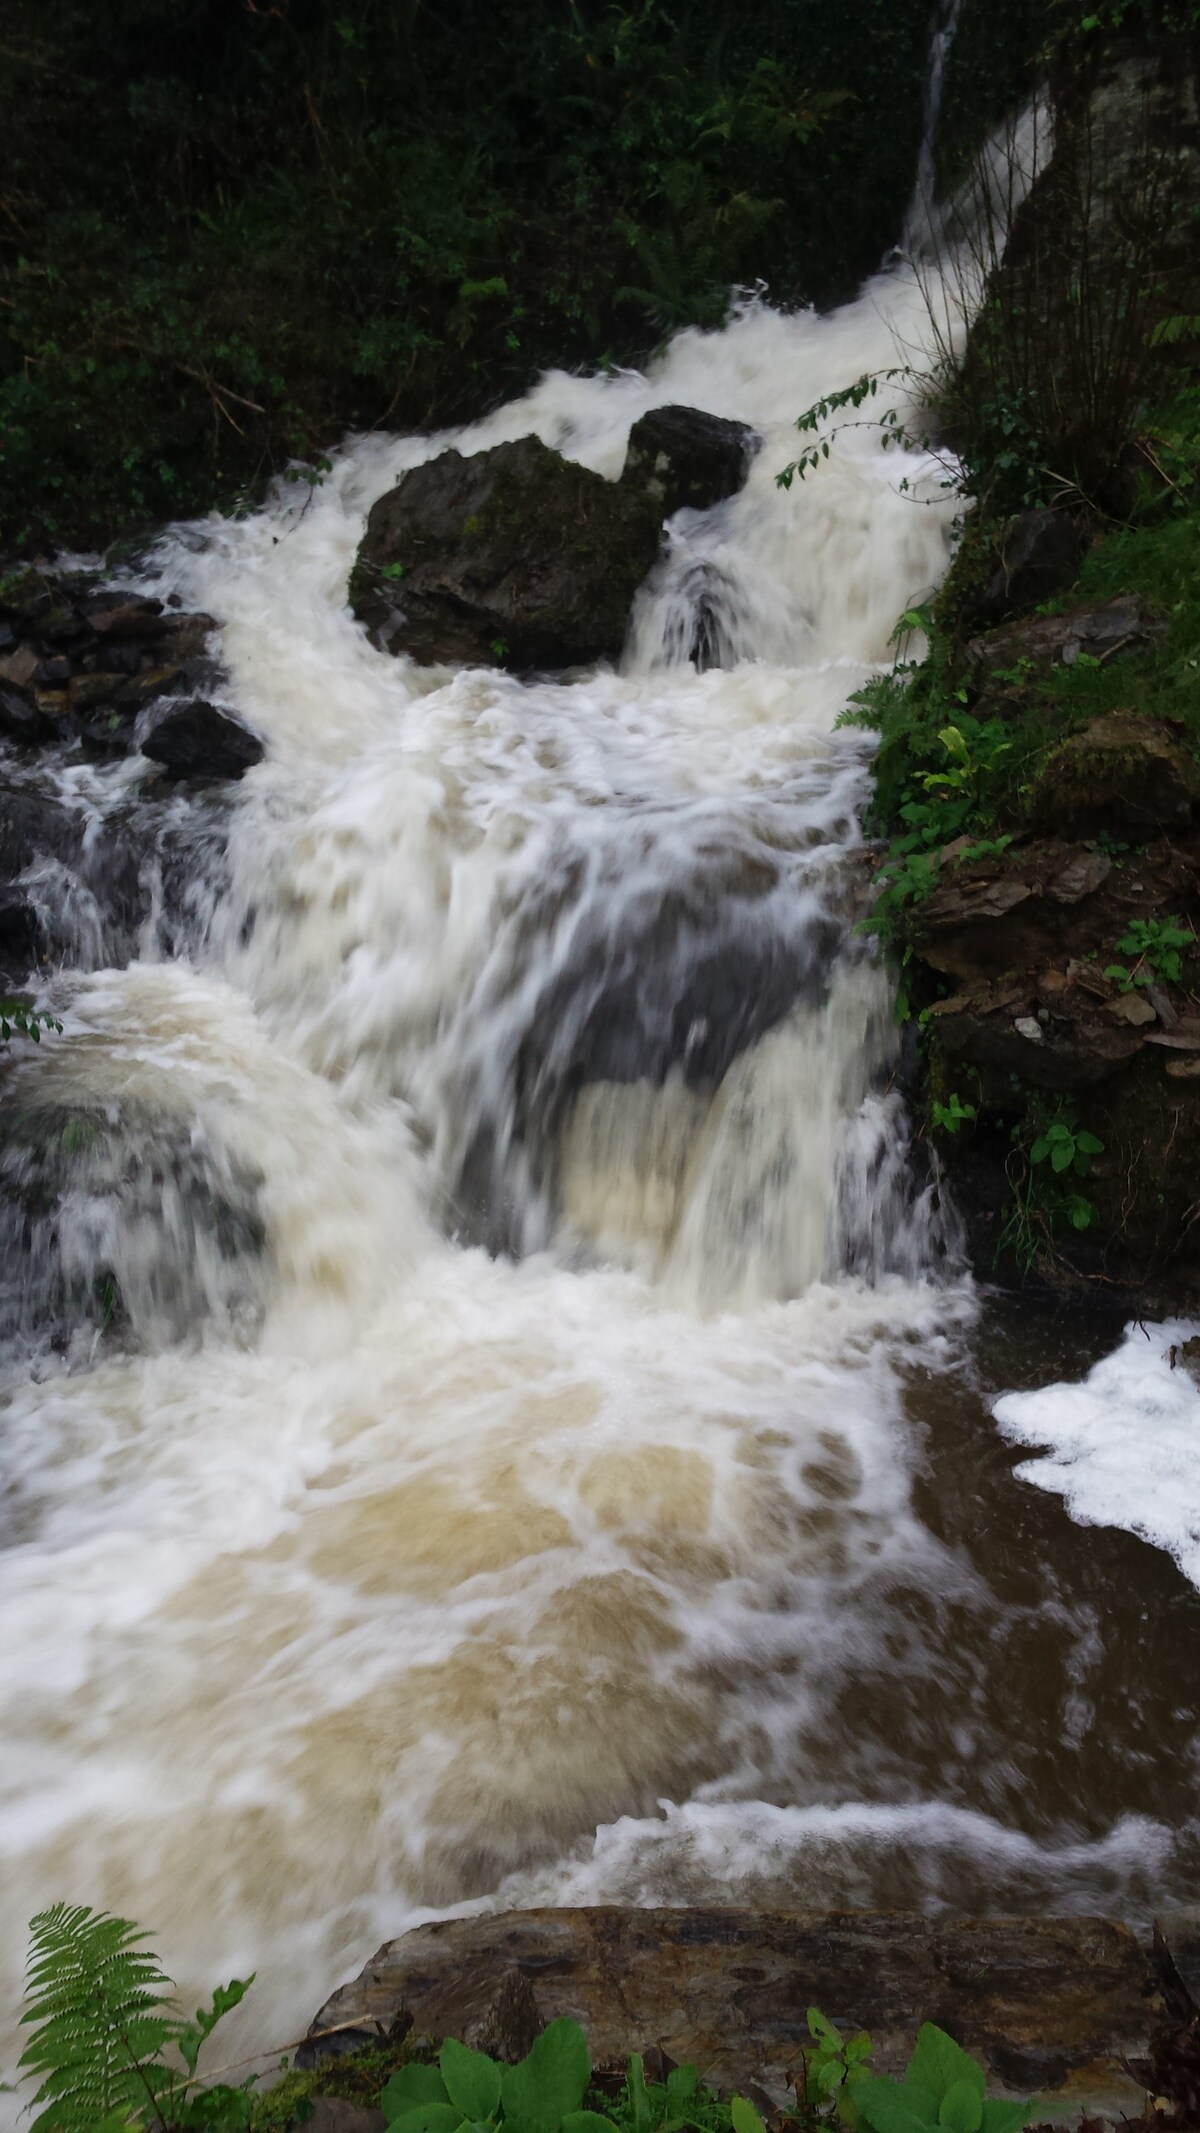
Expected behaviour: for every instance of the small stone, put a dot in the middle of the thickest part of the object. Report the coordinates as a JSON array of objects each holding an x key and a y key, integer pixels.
[
  {"x": 124, "y": 614},
  {"x": 1133, "y": 1008},
  {"x": 90, "y": 689},
  {"x": 151, "y": 682},
  {"x": 63, "y": 625},
  {"x": 1183, "y": 1069},
  {"x": 1029, "y": 1026},
  {"x": 20, "y": 666},
  {"x": 52, "y": 673}
]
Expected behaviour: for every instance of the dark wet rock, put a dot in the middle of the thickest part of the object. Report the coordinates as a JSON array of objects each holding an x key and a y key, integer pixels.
[
  {"x": 680, "y": 457},
  {"x": 1097, "y": 631},
  {"x": 508, "y": 2029},
  {"x": 517, "y": 557},
  {"x": 184, "y": 636},
  {"x": 125, "y": 614},
  {"x": 34, "y": 825},
  {"x": 19, "y": 719},
  {"x": 199, "y": 740},
  {"x": 1001, "y": 1029},
  {"x": 89, "y": 689},
  {"x": 19, "y": 666},
  {"x": 20, "y": 933},
  {"x": 62, "y": 625},
  {"x": 120, "y": 1223},
  {"x": 1050, "y": 2005},
  {"x": 335, "y": 2114},
  {"x": 52, "y": 673},
  {"x": 1038, "y": 554},
  {"x": 1122, "y": 774},
  {"x": 1027, "y": 906},
  {"x": 149, "y": 682},
  {"x": 25, "y": 595}
]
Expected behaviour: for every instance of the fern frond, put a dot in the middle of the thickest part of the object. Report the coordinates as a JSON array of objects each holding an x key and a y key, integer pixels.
[{"x": 103, "y": 2013}]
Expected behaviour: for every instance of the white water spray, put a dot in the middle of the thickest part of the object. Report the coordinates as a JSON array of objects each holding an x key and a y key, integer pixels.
[{"x": 532, "y": 1189}]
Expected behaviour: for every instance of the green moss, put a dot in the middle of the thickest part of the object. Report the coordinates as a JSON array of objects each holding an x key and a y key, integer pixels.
[{"x": 354, "y": 2077}]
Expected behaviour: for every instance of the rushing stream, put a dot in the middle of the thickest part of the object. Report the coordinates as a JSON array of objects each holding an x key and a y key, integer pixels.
[{"x": 547, "y": 1455}]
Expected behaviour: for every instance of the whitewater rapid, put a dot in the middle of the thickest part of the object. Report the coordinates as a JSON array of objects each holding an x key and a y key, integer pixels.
[{"x": 500, "y": 1497}]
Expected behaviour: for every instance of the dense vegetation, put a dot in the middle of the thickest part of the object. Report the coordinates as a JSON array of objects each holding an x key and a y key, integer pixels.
[
  {"x": 232, "y": 229},
  {"x": 1077, "y": 406},
  {"x": 113, "y": 2054}
]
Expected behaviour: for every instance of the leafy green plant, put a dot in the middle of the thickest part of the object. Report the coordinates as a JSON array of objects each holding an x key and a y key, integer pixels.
[
  {"x": 943, "y": 2091},
  {"x": 1066, "y": 1148},
  {"x": 103, "y": 2021},
  {"x": 1051, "y": 1152},
  {"x": 834, "y": 2068},
  {"x": 1157, "y": 946},
  {"x": 948, "y": 1117},
  {"x": 468, "y": 2089},
  {"x": 18, "y": 1020}
]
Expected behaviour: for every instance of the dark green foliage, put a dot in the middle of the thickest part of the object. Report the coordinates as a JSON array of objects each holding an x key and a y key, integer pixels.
[
  {"x": 1050, "y": 1152},
  {"x": 228, "y": 232},
  {"x": 103, "y": 2018},
  {"x": 18, "y": 1020}
]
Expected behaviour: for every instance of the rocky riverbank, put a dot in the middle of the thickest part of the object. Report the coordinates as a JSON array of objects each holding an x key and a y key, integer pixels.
[{"x": 1083, "y": 2011}]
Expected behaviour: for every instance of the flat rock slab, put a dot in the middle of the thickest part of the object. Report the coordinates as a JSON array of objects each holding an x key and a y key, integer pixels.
[{"x": 1051, "y": 2005}]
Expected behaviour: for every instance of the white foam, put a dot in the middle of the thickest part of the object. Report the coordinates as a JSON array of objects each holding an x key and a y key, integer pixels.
[{"x": 1123, "y": 1447}]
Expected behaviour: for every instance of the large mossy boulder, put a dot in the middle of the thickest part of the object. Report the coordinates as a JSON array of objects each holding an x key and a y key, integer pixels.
[
  {"x": 1122, "y": 774},
  {"x": 519, "y": 558}
]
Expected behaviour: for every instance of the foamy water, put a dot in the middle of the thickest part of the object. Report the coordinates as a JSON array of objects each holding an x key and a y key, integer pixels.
[
  {"x": 1123, "y": 1447},
  {"x": 502, "y": 1476}
]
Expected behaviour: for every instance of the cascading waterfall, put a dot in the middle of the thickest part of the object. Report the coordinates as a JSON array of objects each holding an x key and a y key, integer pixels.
[{"x": 477, "y": 1270}]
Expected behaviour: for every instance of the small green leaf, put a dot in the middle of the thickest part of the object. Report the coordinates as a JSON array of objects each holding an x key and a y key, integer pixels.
[
  {"x": 551, "y": 2080},
  {"x": 1000, "y": 2116},
  {"x": 588, "y": 2122},
  {"x": 745, "y": 2117},
  {"x": 411, "y": 2086},
  {"x": 895, "y": 2107},
  {"x": 472, "y": 2080},
  {"x": 961, "y": 2108},
  {"x": 938, "y": 2063},
  {"x": 427, "y": 2118},
  {"x": 1062, "y": 1155},
  {"x": 682, "y": 2083}
]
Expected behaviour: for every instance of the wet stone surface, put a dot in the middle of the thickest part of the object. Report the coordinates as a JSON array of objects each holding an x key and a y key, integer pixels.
[{"x": 1051, "y": 2005}]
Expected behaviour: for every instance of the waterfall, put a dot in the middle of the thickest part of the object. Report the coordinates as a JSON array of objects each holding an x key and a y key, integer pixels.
[
  {"x": 921, "y": 220},
  {"x": 461, "y": 1261}
]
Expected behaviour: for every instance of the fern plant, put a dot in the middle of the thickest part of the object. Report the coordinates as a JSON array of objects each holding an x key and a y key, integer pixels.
[{"x": 104, "y": 2017}]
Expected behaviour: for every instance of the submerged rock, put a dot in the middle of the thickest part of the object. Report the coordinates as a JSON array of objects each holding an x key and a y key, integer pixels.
[
  {"x": 199, "y": 740},
  {"x": 519, "y": 558}
]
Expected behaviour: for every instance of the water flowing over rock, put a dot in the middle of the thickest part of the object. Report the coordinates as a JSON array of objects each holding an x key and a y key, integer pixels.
[
  {"x": 493, "y": 1431},
  {"x": 516, "y": 557}
]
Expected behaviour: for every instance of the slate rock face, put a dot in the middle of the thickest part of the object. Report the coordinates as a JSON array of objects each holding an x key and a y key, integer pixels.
[
  {"x": 1048, "y": 2004},
  {"x": 519, "y": 558}
]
